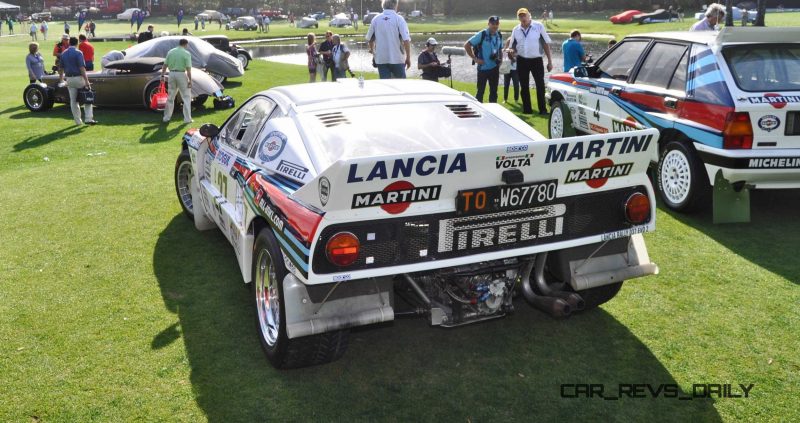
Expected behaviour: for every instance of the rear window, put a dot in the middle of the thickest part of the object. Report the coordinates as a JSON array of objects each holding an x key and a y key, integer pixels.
[{"x": 772, "y": 67}]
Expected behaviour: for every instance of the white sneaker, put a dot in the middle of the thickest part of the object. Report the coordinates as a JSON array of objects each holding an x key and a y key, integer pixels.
[{"x": 188, "y": 121}]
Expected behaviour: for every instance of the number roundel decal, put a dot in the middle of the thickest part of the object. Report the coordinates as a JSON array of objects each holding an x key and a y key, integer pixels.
[{"x": 272, "y": 146}]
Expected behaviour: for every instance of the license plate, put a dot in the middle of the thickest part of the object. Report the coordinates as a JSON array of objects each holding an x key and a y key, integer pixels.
[{"x": 505, "y": 197}]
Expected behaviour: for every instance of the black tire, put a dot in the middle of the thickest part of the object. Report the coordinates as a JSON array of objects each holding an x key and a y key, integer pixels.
[
  {"x": 681, "y": 177},
  {"x": 594, "y": 297},
  {"x": 559, "y": 124},
  {"x": 37, "y": 98},
  {"x": 244, "y": 59},
  {"x": 199, "y": 101},
  {"x": 149, "y": 91},
  {"x": 282, "y": 352},
  {"x": 183, "y": 178}
]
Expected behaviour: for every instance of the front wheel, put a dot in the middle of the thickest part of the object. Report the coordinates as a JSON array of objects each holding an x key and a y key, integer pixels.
[
  {"x": 681, "y": 177},
  {"x": 36, "y": 98},
  {"x": 183, "y": 179},
  {"x": 149, "y": 92},
  {"x": 560, "y": 122},
  {"x": 244, "y": 59},
  {"x": 282, "y": 352}
]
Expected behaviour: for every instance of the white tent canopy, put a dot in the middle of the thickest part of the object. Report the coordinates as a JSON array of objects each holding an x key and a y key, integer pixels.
[{"x": 6, "y": 7}]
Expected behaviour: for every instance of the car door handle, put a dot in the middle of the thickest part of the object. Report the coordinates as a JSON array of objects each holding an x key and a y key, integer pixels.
[
  {"x": 616, "y": 90},
  {"x": 671, "y": 102}
]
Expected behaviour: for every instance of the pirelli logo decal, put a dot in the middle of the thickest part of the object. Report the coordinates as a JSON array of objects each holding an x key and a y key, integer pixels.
[{"x": 494, "y": 229}]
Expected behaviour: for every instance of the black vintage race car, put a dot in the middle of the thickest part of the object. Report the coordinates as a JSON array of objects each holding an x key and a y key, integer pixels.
[
  {"x": 221, "y": 42},
  {"x": 124, "y": 83}
]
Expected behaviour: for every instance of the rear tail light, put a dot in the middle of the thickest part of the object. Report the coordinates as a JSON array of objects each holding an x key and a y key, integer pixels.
[
  {"x": 342, "y": 249},
  {"x": 738, "y": 132},
  {"x": 637, "y": 208}
]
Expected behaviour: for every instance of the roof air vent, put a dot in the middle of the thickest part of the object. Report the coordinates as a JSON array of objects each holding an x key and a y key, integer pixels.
[
  {"x": 333, "y": 119},
  {"x": 463, "y": 111}
]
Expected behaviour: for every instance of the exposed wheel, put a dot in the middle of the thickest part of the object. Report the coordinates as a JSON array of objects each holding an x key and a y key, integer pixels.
[
  {"x": 594, "y": 297},
  {"x": 244, "y": 59},
  {"x": 183, "y": 179},
  {"x": 282, "y": 352},
  {"x": 36, "y": 98},
  {"x": 149, "y": 92},
  {"x": 560, "y": 122},
  {"x": 681, "y": 177}
]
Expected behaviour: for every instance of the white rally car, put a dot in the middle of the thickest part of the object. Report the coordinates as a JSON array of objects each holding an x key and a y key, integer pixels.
[
  {"x": 727, "y": 106},
  {"x": 349, "y": 203}
]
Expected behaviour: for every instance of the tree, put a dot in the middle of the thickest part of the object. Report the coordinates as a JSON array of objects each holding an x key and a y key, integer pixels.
[{"x": 761, "y": 7}]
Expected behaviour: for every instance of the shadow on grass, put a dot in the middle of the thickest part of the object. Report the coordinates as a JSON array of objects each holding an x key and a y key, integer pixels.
[
  {"x": 505, "y": 370},
  {"x": 769, "y": 240},
  {"x": 12, "y": 109},
  {"x": 40, "y": 140}
]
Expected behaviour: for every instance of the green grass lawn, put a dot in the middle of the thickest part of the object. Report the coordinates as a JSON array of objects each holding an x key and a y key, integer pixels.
[{"x": 114, "y": 308}]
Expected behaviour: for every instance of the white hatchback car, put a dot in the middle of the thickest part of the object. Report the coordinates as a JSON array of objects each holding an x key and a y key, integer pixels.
[{"x": 727, "y": 106}]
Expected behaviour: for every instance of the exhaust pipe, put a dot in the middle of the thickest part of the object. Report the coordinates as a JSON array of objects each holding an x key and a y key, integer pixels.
[
  {"x": 574, "y": 299},
  {"x": 556, "y": 307}
]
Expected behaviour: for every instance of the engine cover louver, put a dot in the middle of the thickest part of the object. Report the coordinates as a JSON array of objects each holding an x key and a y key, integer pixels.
[
  {"x": 463, "y": 111},
  {"x": 333, "y": 119}
]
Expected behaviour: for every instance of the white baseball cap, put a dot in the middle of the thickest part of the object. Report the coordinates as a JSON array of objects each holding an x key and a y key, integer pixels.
[{"x": 431, "y": 41}]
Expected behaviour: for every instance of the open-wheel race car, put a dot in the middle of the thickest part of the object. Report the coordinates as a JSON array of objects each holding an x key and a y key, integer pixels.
[
  {"x": 342, "y": 214},
  {"x": 123, "y": 83}
]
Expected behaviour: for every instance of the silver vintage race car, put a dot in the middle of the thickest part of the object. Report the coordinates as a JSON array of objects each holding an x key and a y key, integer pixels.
[
  {"x": 218, "y": 64},
  {"x": 349, "y": 203},
  {"x": 124, "y": 83}
]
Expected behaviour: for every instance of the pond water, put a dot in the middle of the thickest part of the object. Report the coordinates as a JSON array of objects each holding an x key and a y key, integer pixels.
[{"x": 293, "y": 52}]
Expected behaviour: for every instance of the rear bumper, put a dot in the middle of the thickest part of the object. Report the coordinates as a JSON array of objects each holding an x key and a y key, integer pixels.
[{"x": 766, "y": 169}]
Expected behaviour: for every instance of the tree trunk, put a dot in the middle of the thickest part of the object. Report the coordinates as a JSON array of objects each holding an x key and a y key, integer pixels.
[{"x": 728, "y": 13}]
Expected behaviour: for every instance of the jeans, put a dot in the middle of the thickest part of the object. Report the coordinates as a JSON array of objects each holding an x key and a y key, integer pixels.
[
  {"x": 339, "y": 73},
  {"x": 392, "y": 71},
  {"x": 507, "y": 78},
  {"x": 73, "y": 84},
  {"x": 493, "y": 77},
  {"x": 178, "y": 82},
  {"x": 526, "y": 67},
  {"x": 325, "y": 68}
]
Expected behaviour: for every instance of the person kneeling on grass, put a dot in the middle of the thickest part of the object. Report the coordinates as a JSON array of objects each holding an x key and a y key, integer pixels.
[{"x": 179, "y": 64}]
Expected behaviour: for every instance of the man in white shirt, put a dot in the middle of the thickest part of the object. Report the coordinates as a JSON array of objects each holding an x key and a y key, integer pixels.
[
  {"x": 529, "y": 41},
  {"x": 389, "y": 40},
  {"x": 714, "y": 13},
  {"x": 340, "y": 54}
]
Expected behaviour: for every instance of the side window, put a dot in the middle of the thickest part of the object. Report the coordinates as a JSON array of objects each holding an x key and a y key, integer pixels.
[
  {"x": 241, "y": 130},
  {"x": 660, "y": 65},
  {"x": 678, "y": 82},
  {"x": 620, "y": 62}
]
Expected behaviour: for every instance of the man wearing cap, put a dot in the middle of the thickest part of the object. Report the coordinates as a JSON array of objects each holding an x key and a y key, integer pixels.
[
  {"x": 529, "y": 41},
  {"x": 389, "y": 39},
  {"x": 179, "y": 64},
  {"x": 486, "y": 50},
  {"x": 428, "y": 62},
  {"x": 73, "y": 66}
]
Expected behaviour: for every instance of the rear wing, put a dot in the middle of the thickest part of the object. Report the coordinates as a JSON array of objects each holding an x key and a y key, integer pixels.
[{"x": 430, "y": 182}]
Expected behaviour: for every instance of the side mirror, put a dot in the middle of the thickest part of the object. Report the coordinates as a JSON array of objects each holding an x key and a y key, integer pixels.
[
  {"x": 209, "y": 130},
  {"x": 578, "y": 72}
]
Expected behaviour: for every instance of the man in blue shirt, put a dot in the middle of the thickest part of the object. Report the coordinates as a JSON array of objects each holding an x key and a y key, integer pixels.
[
  {"x": 486, "y": 50},
  {"x": 573, "y": 51},
  {"x": 74, "y": 68}
]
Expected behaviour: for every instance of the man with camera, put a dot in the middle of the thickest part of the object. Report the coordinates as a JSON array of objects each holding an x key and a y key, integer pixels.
[
  {"x": 429, "y": 63},
  {"x": 486, "y": 50}
]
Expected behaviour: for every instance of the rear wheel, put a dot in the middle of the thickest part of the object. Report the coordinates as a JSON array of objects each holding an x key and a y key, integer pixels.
[
  {"x": 681, "y": 177},
  {"x": 36, "y": 98},
  {"x": 183, "y": 179},
  {"x": 149, "y": 92},
  {"x": 560, "y": 122},
  {"x": 268, "y": 274}
]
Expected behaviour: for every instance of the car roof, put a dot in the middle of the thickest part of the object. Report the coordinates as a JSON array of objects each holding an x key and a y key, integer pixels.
[
  {"x": 348, "y": 89},
  {"x": 729, "y": 35}
]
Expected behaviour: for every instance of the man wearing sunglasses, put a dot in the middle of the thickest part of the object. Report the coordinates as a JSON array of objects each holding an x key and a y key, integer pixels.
[
  {"x": 529, "y": 42},
  {"x": 486, "y": 50}
]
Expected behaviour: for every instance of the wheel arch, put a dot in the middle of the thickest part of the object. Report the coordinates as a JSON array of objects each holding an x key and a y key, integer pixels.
[
  {"x": 253, "y": 229},
  {"x": 555, "y": 96}
]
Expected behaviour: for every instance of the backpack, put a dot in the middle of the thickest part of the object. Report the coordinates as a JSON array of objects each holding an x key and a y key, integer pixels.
[{"x": 478, "y": 50}]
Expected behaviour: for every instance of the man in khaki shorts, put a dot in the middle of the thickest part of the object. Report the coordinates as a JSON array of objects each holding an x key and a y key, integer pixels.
[{"x": 179, "y": 64}]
